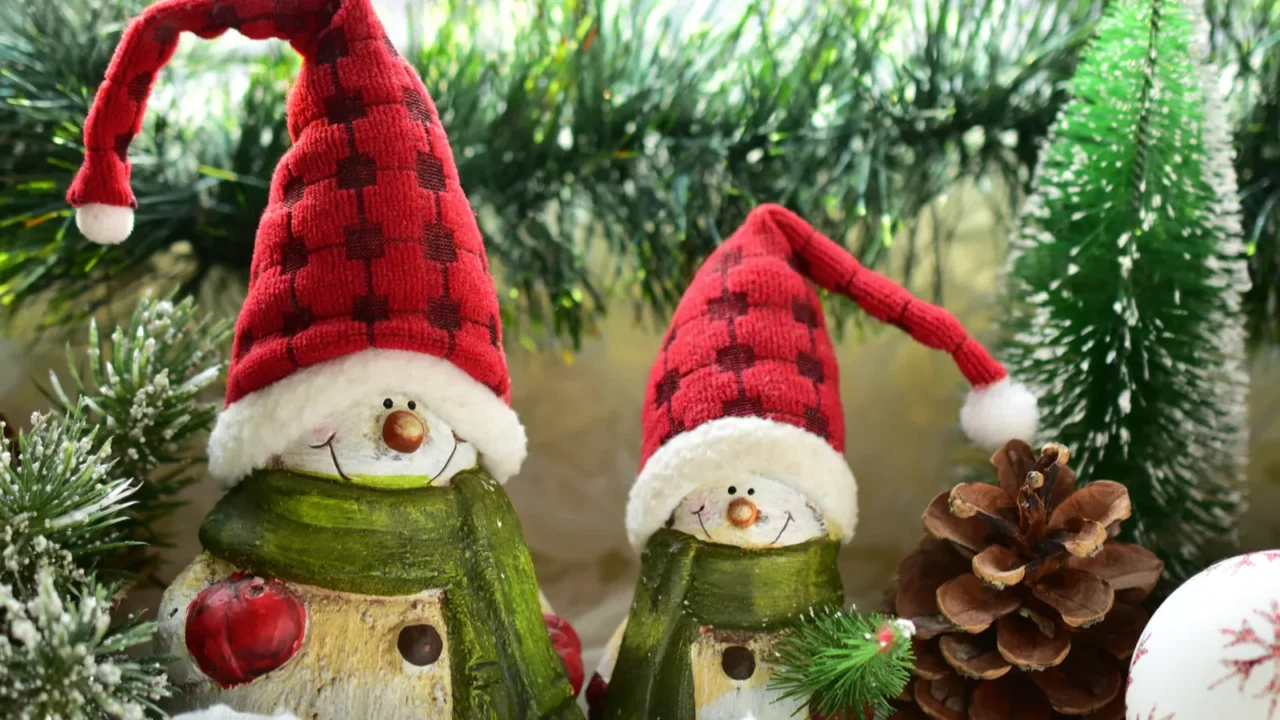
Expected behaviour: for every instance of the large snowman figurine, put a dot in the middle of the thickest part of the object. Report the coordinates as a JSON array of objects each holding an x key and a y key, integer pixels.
[
  {"x": 367, "y": 562},
  {"x": 744, "y": 497}
]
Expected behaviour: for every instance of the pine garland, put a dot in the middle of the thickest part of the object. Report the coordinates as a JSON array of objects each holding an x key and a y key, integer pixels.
[
  {"x": 1124, "y": 284},
  {"x": 844, "y": 664},
  {"x": 604, "y": 159}
]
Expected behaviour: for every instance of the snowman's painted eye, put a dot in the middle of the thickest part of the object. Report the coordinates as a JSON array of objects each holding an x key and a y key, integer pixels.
[
  {"x": 751, "y": 491},
  {"x": 388, "y": 404},
  {"x": 732, "y": 490},
  {"x": 413, "y": 405}
]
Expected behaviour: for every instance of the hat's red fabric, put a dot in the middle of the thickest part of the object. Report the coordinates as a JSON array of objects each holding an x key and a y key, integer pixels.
[
  {"x": 748, "y": 338},
  {"x": 367, "y": 240}
]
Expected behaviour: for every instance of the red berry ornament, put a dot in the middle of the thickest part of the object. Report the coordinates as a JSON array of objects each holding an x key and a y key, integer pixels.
[
  {"x": 244, "y": 627},
  {"x": 565, "y": 640},
  {"x": 596, "y": 693}
]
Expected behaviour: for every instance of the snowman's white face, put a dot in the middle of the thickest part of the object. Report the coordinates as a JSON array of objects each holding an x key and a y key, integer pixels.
[
  {"x": 389, "y": 441},
  {"x": 755, "y": 513}
]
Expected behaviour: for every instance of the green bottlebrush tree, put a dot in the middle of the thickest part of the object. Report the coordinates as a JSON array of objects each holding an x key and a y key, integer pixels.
[
  {"x": 845, "y": 665},
  {"x": 1124, "y": 283},
  {"x": 603, "y": 158},
  {"x": 61, "y": 500},
  {"x": 144, "y": 389},
  {"x": 1244, "y": 42}
]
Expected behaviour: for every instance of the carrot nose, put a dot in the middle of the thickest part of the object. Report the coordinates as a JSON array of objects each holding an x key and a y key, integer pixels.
[
  {"x": 402, "y": 431},
  {"x": 742, "y": 513}
]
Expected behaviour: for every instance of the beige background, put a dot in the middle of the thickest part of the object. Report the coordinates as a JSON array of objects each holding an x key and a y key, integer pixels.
[{"x": 900, "y": 400}]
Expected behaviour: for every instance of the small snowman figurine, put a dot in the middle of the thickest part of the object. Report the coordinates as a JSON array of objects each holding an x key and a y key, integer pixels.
[
  {"x": 744, "y": 497},
  {"x": 366, "y": 562}
]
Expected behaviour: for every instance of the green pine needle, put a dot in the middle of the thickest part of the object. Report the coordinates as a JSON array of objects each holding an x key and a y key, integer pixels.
[
  {"x": 607, "y": 145},
  {"x": 838, "y": 665}
]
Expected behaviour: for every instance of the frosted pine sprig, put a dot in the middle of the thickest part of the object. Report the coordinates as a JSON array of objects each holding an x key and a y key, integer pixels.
[
  {"x": 60, "y": 658},
  {"x": 59, "y": 506},
  {"x": 146, "y": 388}
]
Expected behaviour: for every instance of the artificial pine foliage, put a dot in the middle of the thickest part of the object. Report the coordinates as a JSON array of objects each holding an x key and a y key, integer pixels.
[
  {"x": 1124, "y": 283},
  {"x": 845, "y": 664},
  {"x": 60, "y": 504},
  {"x": 585, "y": 122},
  {"x": 143, "y": 388}
]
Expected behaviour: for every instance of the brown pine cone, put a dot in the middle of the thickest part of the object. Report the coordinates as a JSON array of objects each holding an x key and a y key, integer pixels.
[{"x": 1023, "y": 607}]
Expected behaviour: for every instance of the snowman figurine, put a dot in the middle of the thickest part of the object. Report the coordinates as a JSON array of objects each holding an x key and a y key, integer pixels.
[
  {"x": 366, "y": 561},
  {"x": 743, "y": 497}
]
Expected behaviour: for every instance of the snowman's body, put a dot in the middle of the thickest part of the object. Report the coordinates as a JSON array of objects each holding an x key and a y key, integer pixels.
[
  {"x": 337, "y": 671},
  {"x": 731, "y": 573},
  {"x": 394, "y": 585}
]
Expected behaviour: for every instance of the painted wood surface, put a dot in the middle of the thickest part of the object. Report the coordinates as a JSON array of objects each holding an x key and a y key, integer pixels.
[
  {"x": 755, "y": 513},
  {"x": 693, "y": 598},
  {"x": 352, "y": 548},
  {"x": 349, "y": 665},
  {"x": 731, "y": 674}
]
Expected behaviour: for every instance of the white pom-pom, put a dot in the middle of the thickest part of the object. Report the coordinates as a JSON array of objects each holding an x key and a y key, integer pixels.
[
  {"x": 105, "y": 224},
  {"x": 222, "y": 712},
  {"x": 1000, "y": 412}
]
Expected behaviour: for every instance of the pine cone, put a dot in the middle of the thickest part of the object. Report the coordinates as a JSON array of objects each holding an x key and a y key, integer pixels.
[{"x": 1023, "y": 607}]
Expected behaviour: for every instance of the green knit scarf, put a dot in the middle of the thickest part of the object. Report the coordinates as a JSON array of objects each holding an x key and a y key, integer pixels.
[
  {"x": 686, "y": 584},
  {"x": 464, "y": 539}
]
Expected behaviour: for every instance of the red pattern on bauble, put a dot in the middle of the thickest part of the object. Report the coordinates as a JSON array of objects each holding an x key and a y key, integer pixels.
[{"x": 244, "y": 627}]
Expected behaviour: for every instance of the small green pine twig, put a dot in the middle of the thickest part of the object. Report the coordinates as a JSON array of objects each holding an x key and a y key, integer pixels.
[{"x": 845, "y": 664}]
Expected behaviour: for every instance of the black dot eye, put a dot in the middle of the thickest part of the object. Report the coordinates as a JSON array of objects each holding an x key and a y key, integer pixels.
[
  {"x": 751, "y": 491},
  {"x": 732, "y": 490},
  {"x": 388, "y": 404},
  {"x": 413, "y": 405}
]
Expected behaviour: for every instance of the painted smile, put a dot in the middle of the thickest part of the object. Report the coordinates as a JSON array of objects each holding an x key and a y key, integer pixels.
[
  {"x": 334, "y": 455},
  {"x": 698, "y": 514},
  {"x": 784, "y": 527}
]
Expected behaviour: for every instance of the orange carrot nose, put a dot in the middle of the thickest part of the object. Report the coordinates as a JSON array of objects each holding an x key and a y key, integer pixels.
[
  {"x": 402, "y": 431},
  {"x": 743, "y": 513}
]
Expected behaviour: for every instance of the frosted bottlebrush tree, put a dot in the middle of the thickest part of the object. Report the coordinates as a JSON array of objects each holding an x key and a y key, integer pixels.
[{"x": 1125, "y": 278}]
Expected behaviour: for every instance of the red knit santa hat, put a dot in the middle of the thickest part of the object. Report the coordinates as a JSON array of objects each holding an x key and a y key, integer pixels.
[
  {"x": 746, "y": 381},
  {"x": 369, "y": 274}
]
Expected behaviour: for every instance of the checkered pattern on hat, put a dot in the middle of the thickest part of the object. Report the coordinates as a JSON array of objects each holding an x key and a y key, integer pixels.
[
  {"x": 367, "y": 240},
  {"x": 749, "y": 337}
]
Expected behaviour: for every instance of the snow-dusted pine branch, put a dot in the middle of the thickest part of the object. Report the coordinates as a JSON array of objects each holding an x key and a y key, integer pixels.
[
  {"x": 1124, "y": 283},
  {"x": 61, "y": 502},
  {"x": 60, "y": 657},
  {"x": 145, "y": 389}
]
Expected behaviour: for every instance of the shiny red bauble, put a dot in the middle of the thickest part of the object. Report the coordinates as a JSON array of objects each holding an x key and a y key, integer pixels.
[
  {"x": 244, "y": 627},
  {"x": 565, "y": 640}
]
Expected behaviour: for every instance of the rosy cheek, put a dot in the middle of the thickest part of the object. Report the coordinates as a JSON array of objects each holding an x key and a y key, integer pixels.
[{"x": 693, "y": 502}]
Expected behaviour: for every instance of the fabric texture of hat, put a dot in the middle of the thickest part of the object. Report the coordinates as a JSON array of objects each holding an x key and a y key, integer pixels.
[
  {"x": 746, "y": 382},
  {"x": 369, "y": 273}
]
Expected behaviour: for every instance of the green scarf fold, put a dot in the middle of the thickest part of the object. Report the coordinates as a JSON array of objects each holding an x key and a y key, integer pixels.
[
  {"x": 464, "y": 539},
  {"x": 686, "y": 584}
]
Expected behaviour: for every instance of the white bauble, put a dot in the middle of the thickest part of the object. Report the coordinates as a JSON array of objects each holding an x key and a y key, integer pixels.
[{"x": 1212, "y": 650}]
